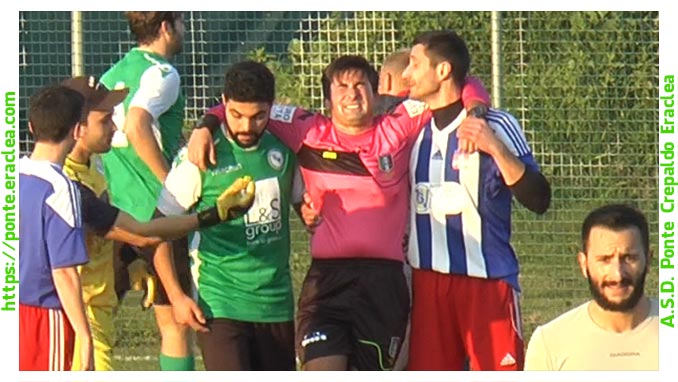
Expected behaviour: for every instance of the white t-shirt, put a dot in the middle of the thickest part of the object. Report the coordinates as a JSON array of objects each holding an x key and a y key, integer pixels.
[{"x": 574, "y": 342}]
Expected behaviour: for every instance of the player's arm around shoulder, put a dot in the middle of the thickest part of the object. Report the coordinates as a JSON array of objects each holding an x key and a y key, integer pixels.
[
  {"x": 291, "y": 124},
  {"x": 474, "y": 93},
  {"x": 201, "y": 151},
  {"x": 406, "y": 120},
  {"x": 500, "y": 135}
]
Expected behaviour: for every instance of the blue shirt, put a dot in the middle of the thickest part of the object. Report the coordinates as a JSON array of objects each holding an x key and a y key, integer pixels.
[{"x": 50, "y": 229}]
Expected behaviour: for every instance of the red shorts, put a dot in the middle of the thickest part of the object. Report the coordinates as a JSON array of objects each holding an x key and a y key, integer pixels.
[
  {"x": 456, "y": 318},
  {"x": 46, "y": 339}
]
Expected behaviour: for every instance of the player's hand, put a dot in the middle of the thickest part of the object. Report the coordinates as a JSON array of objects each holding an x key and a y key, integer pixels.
[
  {"x": 187, "y": 312},
  {"x": 467, "y": 146},
  {"x": 476, "y": 109},
  {"x": 201, "y": 148},
  {"x": 476, "y": 131},
  {"x": 140, "y": 278},
  {"x": 309, "y": 214},
  {"x": 236, "y": 199},
  {"x": 86, "y": 351}
]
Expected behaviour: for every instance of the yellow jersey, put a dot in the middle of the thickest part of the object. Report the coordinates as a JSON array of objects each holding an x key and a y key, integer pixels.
[{"x": 97, "y": 277}]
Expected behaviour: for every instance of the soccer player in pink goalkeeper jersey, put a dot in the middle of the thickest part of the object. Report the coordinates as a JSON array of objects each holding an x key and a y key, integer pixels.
[{"x": 354, "y": 303}]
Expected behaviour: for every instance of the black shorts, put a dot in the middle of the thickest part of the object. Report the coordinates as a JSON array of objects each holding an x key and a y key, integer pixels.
[
  {"x": 353, "y": 307},
  {"x": 129, "y": 253},
  {"x": 237, "y": 345}
]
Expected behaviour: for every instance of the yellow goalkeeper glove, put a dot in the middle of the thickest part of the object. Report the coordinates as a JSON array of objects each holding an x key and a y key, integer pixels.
[
  {"x": 232, "y": 203},
  {"x": 141, "y": 279}
]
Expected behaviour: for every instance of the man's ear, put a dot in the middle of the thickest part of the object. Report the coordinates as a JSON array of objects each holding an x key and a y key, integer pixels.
[
  {"x": 166, "y": 28},
  {"x": 77, "y": 131},
  {"x": 30, "y": 129},
  {"x": 224, "y": 99},
  {"x": 444, "y": 70},
  {"x": 581, "y": 259},
  {"x": 388, "y": 83}
]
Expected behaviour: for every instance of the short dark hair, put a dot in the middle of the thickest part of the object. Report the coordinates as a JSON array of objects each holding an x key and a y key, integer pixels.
[
  {"x": 616, "y": 217},
  {"x": 345, "y": 64},
  {"x": 145, "y": 26},
  {"x": 53, "y": 112},
  {"x": 446, "y": 45},
  {"x": 249, "y": 81}
]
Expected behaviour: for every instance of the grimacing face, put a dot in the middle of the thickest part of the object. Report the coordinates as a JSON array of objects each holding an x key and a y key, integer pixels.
[
  {"x": 97, "y": 133},
  {"x": 420, "y": 74},
  {"x": 615, "y": 265},
  {"x": 352, "y": 99},
  {"x": 246, "y": 121}
]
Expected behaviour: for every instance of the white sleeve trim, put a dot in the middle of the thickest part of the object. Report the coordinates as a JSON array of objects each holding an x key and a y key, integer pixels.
[
  {"x": 65, "y": 198},
  {"x": 181, "y": 190},
  {"x": 158, "y": 90},
  {"x": 508, "y": 129}
]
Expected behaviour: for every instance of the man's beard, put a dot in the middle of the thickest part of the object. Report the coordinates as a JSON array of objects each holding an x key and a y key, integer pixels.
[
  {"x": 624, "y": 305},
  {"x": 234, "y": 137},
  {"x": 177, "y": 45}
]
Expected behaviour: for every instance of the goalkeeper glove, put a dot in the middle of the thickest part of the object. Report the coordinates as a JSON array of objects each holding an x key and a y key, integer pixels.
[
  {"x": 231, "y": 204},
  {"x": 141, "y": 279}
]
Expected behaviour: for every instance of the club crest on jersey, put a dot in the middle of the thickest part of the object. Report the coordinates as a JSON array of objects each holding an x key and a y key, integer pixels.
[
  {"x": 276, "y": 159},
  {"x": 422, "y": 198},
  {"x": 386, "y": 163}
]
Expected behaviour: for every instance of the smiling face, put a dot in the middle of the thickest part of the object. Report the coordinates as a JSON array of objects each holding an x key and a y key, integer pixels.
[
  {"x": 246, "y": 121},
  {"x": 615, "y": 265},
  {"x": 352, "y": 99}
]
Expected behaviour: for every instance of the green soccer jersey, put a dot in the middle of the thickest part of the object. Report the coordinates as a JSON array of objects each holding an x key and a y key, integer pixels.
[
  {"x": 154, "y": 86},
  {"x": 240, "y": 267}
]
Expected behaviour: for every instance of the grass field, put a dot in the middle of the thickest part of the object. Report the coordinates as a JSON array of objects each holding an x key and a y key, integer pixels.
[{"x": 550, "y": 281}]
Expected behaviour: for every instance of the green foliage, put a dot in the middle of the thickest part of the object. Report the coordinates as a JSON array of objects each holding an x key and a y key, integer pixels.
[
  {"x": 473, "y": 27},
  {"x": 299, "y": 70},
  {"x": 585, "y": 89},
  {"x": 287, "y": 89}
]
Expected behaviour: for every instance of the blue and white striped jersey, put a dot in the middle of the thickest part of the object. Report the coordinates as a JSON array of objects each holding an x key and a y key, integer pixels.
[{"x": 460, "y": 219}]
